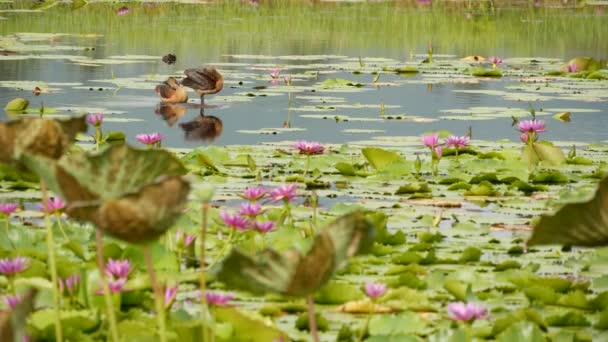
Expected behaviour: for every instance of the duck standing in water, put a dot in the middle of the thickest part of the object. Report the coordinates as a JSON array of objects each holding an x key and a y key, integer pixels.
[
  {"x": 204, "y": 80},
  {"x": 171, "y": 92}
]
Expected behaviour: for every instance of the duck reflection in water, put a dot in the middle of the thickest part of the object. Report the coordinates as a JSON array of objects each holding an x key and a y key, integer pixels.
[{"x": 200, "y": 128}]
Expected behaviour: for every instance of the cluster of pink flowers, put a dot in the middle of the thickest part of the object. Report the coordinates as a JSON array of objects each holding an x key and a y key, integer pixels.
[
  {"x": 530, "y": 130},
  {"x": 453, "y": 141},
  {"x": 467, "y": 312},
  {"x": 69, "y": 285},
  {"x": 309, "y": 147}
]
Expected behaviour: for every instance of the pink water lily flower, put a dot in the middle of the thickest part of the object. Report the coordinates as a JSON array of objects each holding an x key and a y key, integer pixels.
[
  {"x": 457, "y": 141},
  {"x": 531, "y": 126},
  {"x": 118, "y": 268},
  {"x": 460, "y": 311},
  {"x": 431, "y": 140},
  {"x": 12, "y": 301},
  {"x": 149, "y": 138},
  {"x": 250, "y": 209},
  {"x": 123, "y": 10},
  {"x": 437, "y": 152},
  {"x": 218, "y": 298},
  {"x": 170, "y": 293},
  {"x": 53, "y": 204},
  {"x": 95, "y": 119},
  {"x": 525, "y": 138},
  {"x": 264, "y": 226},
  {"x": 309, "y": 147},
  {"x": 275, "y": 73},
  {"x": 8, "y": 208},
  {"x": 235, "y": 221},
  {"x": 287, "y": 79},
  {"x": 15, "y": 265},
  {"x": 115, "y": 285},
  {"x": 285, "y": 193},
  {"x": 184, "y": 239},
  {"x": 495, "y": 60},
  {"x": 375, "y": 290},
  {"x": 572, "y": 67},
  {"x": 254, "y": 194}
]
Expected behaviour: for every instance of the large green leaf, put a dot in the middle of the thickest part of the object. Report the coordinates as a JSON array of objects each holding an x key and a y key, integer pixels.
[
  {"x": 37, "y": 136},
  {"x": 582, "y": 224},
  {"x": 247, "y": 326},
  {"x": 132, "y": 194},
  {"x": 292, "y": 273},
  {"x": 543, "y": 152},
  {"x": 380, "y": 158}
]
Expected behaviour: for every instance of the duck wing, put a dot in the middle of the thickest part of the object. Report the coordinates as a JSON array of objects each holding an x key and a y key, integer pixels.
[{"x": 203, "y": 79}]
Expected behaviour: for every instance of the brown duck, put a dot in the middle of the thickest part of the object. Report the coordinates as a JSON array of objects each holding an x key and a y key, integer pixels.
[
  {"x": 204, "y": 80},
  {"x": 171, "y": 92}
]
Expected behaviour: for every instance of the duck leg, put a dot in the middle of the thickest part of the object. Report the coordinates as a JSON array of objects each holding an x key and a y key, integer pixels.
[{"x": 202, "y": 100}]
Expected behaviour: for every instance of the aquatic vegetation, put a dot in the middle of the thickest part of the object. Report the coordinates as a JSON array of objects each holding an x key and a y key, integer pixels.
[
  {"x": 466, "y": 312},
  {"x": 375, "y": 290},
  {"x": 218, "y": 298}
]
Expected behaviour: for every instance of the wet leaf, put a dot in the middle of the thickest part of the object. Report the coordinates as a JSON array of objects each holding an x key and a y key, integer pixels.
[
  {"x": 292, "y": 273},
  {"x": 17, "y": 105},
  {"x": 380, "y": 158},
  {"x": 401, "y": 324},
  {"x": 132, "y": 194}
]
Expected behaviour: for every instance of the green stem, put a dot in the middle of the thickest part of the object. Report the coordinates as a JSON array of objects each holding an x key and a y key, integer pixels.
[
  {"x": 312, "y": 319},
  {"x": 97, "y": 137},
  {"x": 58, "y": 218},
  {"x": 106, "y": 287},
  {"x": 456, "y": 148},
  {"x": 203, "y": 280},
  {"x": 223, "y": 250},
  {"x": 158, "y": 295},
  {"x": 366, "y": 326},
  {"x": 52, "y": 262},
  {"x": 8, "y": 236},
  {"x": 307, "y": 166}
]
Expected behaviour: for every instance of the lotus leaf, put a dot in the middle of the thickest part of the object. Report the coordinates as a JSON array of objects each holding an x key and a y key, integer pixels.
[
  {"x": 292, "y": 273},
  {"x": 132, "y": 194}
]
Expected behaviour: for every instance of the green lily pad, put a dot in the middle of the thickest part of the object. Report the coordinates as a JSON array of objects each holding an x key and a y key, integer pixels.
[
  {"x": 379, "y": 158},
  {"x": 293, "y": 273},
  {"x": 17, "y": 105}
]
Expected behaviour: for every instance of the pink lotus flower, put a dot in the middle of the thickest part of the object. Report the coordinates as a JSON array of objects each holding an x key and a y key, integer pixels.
[
  {"x": 457, "y": 142},
  {"x": 115, "y": 285},
  {"x": 572, "y": 67},
  {"x": 123, "y": 10},
  {"x": 54, "y": 204},
  {"x": 460, "y": 311},
  {"x": 170, "y": 293},
  {"x": 184, "y": 239},
  {"x": 524, "y": 137},
  {"x": 531, "y": 126},
  {"x": 254, "y": 193},
  {"x": 309, "y": 147},
  {"x": 375, "y": 290},
  {"x": 8, "y": 208},
  {"x": 12, "y": 301},
  {"x": 150, "y": 138},
  {"x": 250, "y": 209},
  {"x": 70, "y": 284},
  {"x": 218, "y": 298},
  {"x": 13, "y": 266},
  {"x": 495, "y": 60},
  {"x": 275, "y": 82},
  {"x": 287, "y": 79},
  {"x": 235, "y": 221},
  {"x": 275, "y": 73},
  {"x": 118, "y": 268},
  {"x": 431, "y": 140},
  {"x": 265, "y": 226},
  {"x": 437, "y": 151},
  {"x": 95, "y": 119},
  {"x": 285, "y": 193}
]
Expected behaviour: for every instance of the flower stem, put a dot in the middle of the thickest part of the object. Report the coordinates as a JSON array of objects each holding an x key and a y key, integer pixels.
[
  {"x": 312, "y": 319},
  {"x": 158, "y": 295},
  {"x": 58, "y": 217},
  {"x": 307, "y": 166},
  {"x": 223, "y": 250},
  {"x": 8, "y": 236},
  {"x": 106, "y": 288},
  {"x": 52, "y": 262},
  {"x": 366, "y": 326},
  {"x": 203, "y": 281}
]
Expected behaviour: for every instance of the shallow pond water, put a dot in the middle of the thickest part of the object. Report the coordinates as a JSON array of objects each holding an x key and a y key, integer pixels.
[{"x": 95, "y": 60}]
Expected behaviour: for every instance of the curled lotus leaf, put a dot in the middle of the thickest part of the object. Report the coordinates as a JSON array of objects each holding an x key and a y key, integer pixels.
[
  {"x": 578, "y": 224},
  {"x": 292, "y": 273},
  {"x": 36, "y": 136},
  {"x": 134, "y": 195}
]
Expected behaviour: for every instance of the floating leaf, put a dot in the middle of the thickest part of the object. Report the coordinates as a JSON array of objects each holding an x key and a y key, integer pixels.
[
  {"x": 17, "y": 105},
  {"x": 563, "y": 116},
  {"x": 132, "y": 194},
  {"x": 543, "y": 152},
  {"x": 247, "y": 326},
  {"x": 380, "y": 158},
  {"x": 483, "y": 72},
  {"x": 581, "y": 224},
  {"x": 295, "y": 274}
]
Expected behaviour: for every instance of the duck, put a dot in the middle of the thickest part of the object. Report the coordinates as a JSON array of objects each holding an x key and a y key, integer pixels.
[
  {"x": 203, "y": 128},
  {"x": 204, "y": 81},
  {"x": 171, "y": 91}
]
